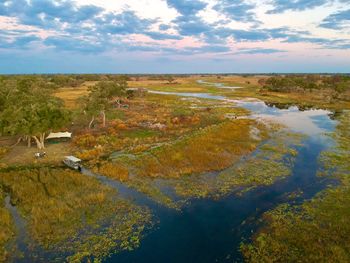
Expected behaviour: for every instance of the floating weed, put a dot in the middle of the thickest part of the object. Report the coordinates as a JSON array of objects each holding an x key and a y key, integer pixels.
[{"x": 148, "y": 187}]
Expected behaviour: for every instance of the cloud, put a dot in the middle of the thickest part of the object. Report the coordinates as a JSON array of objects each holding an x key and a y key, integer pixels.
[
  {"x": 192, "y": 26},
  {"x": 21, "y": 42},
  {"x": 253, "y": 51},
  {"x": 236, "y": 10},
  {"x": 198, "y": 27},
  {"x": 187, "y": 7},
  {"x": 123, "y": 23},
  {"x": 162, "y": 36},
  {"x": 337, "y": 20},
  {"x": 66, "y": 43},
  {"x": 280, "y": 6},
  {"x": 48, "y": 14}
]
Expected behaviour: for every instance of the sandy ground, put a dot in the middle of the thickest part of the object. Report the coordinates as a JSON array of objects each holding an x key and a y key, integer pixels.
[{"x": 22, "y": 155}]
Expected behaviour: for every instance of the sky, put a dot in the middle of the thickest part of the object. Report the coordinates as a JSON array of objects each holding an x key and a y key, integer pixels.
[{"x": 174, "y": 36}]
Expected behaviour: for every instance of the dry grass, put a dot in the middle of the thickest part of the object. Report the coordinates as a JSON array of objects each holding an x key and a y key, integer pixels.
[
  {"x": 211, "y": 149},
  {"x": 22, "y": 155},
  {"x": 7, "y": 230},
  {"x": 114, "y": 170},
  {"x": 71, "y": 96},
  {"x": 180, "y": 85},
  {"x": 65, "y": 210}
]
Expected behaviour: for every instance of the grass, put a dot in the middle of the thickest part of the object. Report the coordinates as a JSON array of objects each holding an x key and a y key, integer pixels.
[
  {"x": 317, "y": 230},
  {"x": 181, "y": 85},
  {"x": 71, "y": 96},
  {"x": 72, "y": 214},
  {"x": 21, "y": 154},
  {"x": 270, "y": 162},
  {"x": 211, "y": 149},
  {"x": 7, "y": 229}
]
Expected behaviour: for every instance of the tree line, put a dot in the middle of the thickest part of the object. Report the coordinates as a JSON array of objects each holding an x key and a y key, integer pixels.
[{"x": 295, "y": 83}]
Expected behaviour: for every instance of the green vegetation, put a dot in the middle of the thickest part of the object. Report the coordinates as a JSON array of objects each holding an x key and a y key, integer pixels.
[
  {"x": 28, "y": 110},
  {"x": 298, "y": 83},
  {"x": 172, "y": 149},
  {"x": 270, "y": 162},
  {"x": 211, "y": 149},
  {"x": 7, "y": 230},
  {"x": 101, "y": 95},
  {"x": 318, "y": 230},
  {"x": 71, "y": 214}
]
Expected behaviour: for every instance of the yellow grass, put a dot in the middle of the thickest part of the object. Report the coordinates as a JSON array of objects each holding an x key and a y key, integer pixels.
[
  {"x": 70, "y": 96},
  {"x": 212, "y": 149},
  {"x": 114, "y": 170},
  {"x": 6, "y": 228},
  {"x": 64, "y": 211}
]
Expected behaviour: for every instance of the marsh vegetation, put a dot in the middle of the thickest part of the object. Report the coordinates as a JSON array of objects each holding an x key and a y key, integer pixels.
[
  {"x": 318, "y": 229},
  {"x": 183, "y": 142}
]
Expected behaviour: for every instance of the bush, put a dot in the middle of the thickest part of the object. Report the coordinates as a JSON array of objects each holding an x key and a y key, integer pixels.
[{"x": 85, "y": 141}]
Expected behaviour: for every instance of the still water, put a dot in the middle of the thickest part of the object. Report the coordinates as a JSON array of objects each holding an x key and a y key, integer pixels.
[
  {"x": 211, "y": 230},
  {"x": 207, "y": 230}
]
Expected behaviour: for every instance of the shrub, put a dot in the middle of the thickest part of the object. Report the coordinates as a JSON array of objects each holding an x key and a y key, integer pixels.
[{"x": 85, "y": 141}]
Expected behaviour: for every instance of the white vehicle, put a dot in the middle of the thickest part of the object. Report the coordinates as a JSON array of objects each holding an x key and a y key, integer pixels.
[{"x": 73, "y": 162}]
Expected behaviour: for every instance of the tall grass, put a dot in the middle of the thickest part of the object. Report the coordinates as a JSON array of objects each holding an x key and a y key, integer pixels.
[
  {"x": 7, "y": 230},
  {"x": 211, "y": 149},
  {"x": 73, "y": 214}
]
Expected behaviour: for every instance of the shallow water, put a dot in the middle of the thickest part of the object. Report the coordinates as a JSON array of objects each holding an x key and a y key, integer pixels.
[
  {"x": 208, "y": 230},
  {"x": 212, "y": 230},
  {"x": 217, "y": 85},
  {"x": 310, "y": 122}
]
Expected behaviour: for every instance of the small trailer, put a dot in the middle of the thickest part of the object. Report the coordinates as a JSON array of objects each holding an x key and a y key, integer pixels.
[{"x": 73, "y": 162}]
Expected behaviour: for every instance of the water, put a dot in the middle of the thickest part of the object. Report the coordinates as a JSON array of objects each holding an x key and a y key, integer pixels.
[
  {"x": 124, "y": 191},
  {"x": 217, "y": 85},
  {"x": 207, "y": 230},
  {"x": 211, "y": 230},
  {"x": 310, "y": 122},
  {"x": 192, "y": 95}
]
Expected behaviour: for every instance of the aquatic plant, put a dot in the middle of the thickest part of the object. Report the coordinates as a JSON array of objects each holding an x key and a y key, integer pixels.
[
  {"x": 114, "y": 170},
  {"x": 71, "y": 214},
  {"x": 273, "y": 160},
  {"x": 318, "y": 230},
  {"x": 7, "y": 230},
  {"x": 211, "y": 149}
]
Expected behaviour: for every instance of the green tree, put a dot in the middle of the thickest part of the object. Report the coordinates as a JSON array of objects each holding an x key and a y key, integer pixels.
[
  {"x": 170, "y": 79},
  {"x": 30, "y": 111},
  {"x": 102, "y": 96}
]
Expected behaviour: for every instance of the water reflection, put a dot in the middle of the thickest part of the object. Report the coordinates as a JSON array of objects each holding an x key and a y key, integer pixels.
[
  {"x": 217, "y": 85},
  {"x": 309, "y": 122}
]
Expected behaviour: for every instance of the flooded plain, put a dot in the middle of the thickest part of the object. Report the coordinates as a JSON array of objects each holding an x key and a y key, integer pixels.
[{"x": 211, "y": 228}]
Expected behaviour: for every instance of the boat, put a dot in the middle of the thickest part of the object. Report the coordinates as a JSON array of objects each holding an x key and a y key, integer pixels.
[{"x": 73, "y": 162}]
